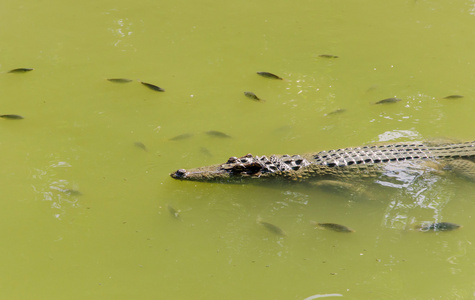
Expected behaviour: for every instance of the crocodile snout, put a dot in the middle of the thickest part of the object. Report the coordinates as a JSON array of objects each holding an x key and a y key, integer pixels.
[{"x": 179, "y": 174}]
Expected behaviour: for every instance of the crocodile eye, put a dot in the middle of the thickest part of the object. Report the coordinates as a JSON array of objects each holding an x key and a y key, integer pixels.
[
  {"x": 238, "y": 168},
  {"x": 253, "y": 168},
  {"x": 232, "y": 159}
]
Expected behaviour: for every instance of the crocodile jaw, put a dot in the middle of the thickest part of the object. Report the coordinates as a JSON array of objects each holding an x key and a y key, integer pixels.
[{"x": 211, "y": 173}]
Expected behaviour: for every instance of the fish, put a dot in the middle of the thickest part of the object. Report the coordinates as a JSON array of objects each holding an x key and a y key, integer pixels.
[
  {"x": 218, "y": 134},
  {"x": 272, "y": 228},
  {"x": 119, "y": 80},
  {"x": 152, "y": 87},
  {"x": 453, "y": 97},
  {"x": 252, "y": 96},
  {"x": 205, "y": 152},
  {"x": 388, "y": 100},
  {"x": 441, "y": 226},
  {"x": 337, "y": 111},
  {"x": 21, "y": 70},
  {"x": 175, "y": 213},
  {"x": 12, "y": 117},
  {"x": 328, "y": 56},
  {"x": 181, "y": 137},
  {"x": 71, "y": 192},
  {"x": 141, "y": 146},
  {"x": 269, "y": 75},
  {"x": 334, "y": 227}
]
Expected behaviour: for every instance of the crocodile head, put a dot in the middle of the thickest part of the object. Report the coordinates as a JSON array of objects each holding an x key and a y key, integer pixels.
[{"x": 235, "y": 169}]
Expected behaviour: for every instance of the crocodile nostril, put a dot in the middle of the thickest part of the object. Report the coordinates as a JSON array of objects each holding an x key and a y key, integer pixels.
[{"x": 179, "y": 173}]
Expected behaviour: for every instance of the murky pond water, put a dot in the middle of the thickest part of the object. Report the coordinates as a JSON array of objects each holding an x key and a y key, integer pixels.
[{"x": 89, "y": 210}]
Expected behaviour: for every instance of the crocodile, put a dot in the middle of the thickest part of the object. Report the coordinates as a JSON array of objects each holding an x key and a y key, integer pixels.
[{"x": 342, "y": 164}]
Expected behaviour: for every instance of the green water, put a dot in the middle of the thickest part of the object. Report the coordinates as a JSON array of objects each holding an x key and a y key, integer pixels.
[{"x": 118, "y": 240}]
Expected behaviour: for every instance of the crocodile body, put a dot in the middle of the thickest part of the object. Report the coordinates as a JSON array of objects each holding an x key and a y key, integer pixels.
[{"x": 341, "y": 164}]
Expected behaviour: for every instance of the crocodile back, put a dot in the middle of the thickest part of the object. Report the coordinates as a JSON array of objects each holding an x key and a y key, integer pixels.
[{"x": 392, "y": 153}]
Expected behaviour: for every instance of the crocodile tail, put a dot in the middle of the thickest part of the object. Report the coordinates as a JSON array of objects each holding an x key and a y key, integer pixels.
[{"x": 461, "y": 150}]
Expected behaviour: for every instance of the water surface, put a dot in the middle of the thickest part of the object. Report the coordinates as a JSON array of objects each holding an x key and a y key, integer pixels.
[{"x": 85, "y": 210}]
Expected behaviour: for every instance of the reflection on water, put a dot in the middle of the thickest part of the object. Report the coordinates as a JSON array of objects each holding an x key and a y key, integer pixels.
[
  {"x": 397, "y": 134},
  {"x": 122, "y": 30},
  {"x": 306, "y": 88},
  {"x": 61, "y": 193},
  {"x": 423, "y": 199},
  {"x": 419, "y": 190},
  {"x": 322, "y": 296}
]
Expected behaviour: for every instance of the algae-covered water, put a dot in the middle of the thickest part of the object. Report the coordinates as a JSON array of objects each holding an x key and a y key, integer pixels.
[{"x": 89, "y": 211}]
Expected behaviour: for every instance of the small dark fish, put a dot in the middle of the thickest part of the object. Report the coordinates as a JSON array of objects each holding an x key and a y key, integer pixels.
[
  {"x": 453, "y": 97},
  {"x": 181, "y": 137},
  {"x": 273, "y": 228},
  {"x": 218, "y": 134},
  {"x": 442, "y": 226},
  {"x": 11, "y": 117},
  {"x": 20, "y": 70},
  {"x": 252, "y": 96},
  {"x": 119, "y": 80},
  {"x": 328, "y": 56},
  {"x": 175, "y": 213},
  {"x": 388, "y": 100},
  {"x": 141, "y": 146},
  {"x": 206, "y": 152},
  {"x": 337, "y": 111},
  {"x": 269, "y": 75},
  {"x": 152, "y": 87},
  {"x": 71, "y": 192},
  {"x": 335, "y": 227}
]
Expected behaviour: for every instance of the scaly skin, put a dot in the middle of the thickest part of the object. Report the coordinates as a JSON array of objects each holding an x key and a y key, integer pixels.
[{"x": 349, "y": 163}]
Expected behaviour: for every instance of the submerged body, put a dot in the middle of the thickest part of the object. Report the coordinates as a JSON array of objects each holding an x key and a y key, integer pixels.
[
  {"x": 334, "y": 227},
  {"x": 348, "y": 163},
  {"x": 442, "y": 226}
]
